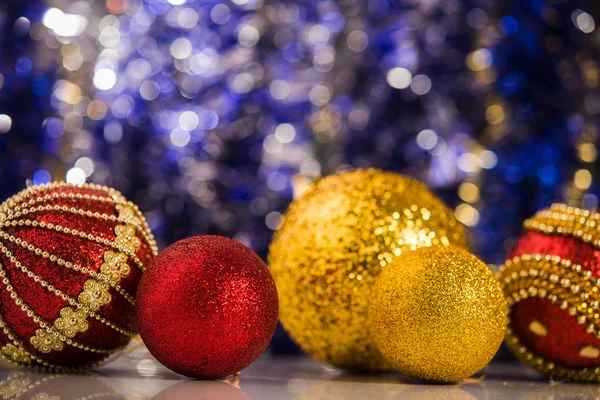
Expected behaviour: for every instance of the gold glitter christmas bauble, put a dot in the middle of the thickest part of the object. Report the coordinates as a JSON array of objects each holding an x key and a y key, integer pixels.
[
  {"x": 334, "y": 241},
  {"x": 438, "y": 314}
]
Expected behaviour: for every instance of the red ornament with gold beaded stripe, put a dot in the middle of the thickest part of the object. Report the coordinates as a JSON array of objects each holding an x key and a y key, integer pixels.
[
  {"x": 71, "y": 258},
  {"x": 551, "y": 278}
]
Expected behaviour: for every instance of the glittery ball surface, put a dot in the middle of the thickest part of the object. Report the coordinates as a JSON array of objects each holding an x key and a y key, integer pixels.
[
  {"x": 71, "y": 258},
  {"x": 438, "y": 314},
  {"x": 207, "y": 307},
  {"x": 335, "y": 240},
  {"x": 551, "y": 281}
]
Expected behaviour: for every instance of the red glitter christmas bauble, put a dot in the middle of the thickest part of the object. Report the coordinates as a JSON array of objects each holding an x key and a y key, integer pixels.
[
  {"x": 551, "y": 281},
  {"x": 71, "y": 258},
  {"x": 207, "y": 307}
]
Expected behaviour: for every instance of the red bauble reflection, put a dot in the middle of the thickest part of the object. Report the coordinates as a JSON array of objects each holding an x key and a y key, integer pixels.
[{"x": 202, "y": 390}]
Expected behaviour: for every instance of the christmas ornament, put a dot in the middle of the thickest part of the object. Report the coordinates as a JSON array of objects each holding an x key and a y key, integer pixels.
[
  {"x": 207, "y": 307},
  {"x": 437, "y": 314},
  {"x": 392, "y": 387},
  {"x": 334, "y": 241},
  {"x": 550, "y": 279},
  {"x": 70, "y": 261}
]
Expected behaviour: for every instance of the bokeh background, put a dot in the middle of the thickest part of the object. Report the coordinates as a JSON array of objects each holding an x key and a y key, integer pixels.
[{"x": 202, "y": 111}]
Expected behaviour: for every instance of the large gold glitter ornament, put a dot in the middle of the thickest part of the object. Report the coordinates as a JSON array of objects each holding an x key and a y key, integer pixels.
[
  {"x": 334, "y": 241},
  {"x": 438, "y": 314}
]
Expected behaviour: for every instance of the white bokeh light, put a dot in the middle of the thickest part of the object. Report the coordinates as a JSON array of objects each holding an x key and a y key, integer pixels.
[
  {"x": 67, "y": 25},
  {"x": 189, "y": 120},
  {"x": 52, "y": 18},
  {"x": 427, "y": 139},
  {"x": 76, "y": 176},
  {"x": 86, "y": 165},
  {"x": 181, "y": 48},
  {"x": 5, "y": 123},
  {"x": 421, "y": 84},
  {"x": 399, "y": 78},
  {"x": 285, "y": 133},
  {"x": 583, "y": 21},
  {"x": 105, "y": 79},
  {"x": 180, "y": 137}
]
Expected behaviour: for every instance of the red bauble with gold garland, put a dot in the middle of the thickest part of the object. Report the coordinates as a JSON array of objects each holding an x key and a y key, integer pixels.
[
  {"x": 551, "y": 281},
  {"x": 71, "y": 258}
]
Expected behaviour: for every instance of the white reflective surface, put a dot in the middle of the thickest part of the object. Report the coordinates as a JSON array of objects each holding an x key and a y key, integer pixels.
[{"x": 138, "y": 376}]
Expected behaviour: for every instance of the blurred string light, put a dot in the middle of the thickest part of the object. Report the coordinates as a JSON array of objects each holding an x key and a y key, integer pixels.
[
  {"x": 407, "y": 101},
  {"x": 467, "y": 97},
  {"x": 66, "y": 38},
  {"x": 202, "y": 111},
  {"x": 5, "y": 123},
  {"x": 540, "y": 70},
  {"x": 400, "y": 97},
  {"x": 26, "y": 74},
  {"x": 64, "y": 25},
  {"x": 188, "y": 109}
]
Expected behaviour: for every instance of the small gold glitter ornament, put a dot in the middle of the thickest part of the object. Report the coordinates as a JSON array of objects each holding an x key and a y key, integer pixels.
[
  {"x": 333, "y": 243},
  {"x": 438, "y": 314}
]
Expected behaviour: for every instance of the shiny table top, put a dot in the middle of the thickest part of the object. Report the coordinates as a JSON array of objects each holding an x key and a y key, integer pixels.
[{"x": 138, "y": 376}]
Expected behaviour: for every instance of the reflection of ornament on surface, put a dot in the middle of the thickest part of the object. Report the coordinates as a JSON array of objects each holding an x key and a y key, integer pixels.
[
  {"x": 65, "y": 239},
  {"x": 551, "y": 279},
  {"x": 437, "y": 314},
  {"x": 38, "y": 386},
  {"x": 14, "y": 386},
  {"x": 202, "y": 390},
  {"x": 15, "y": 354},
  {"x": 334, "y": 242},
  {"x": 44, "y": 396},
  {"x": 571, "y": 391},
  {"x": 375, "y": 387}
]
